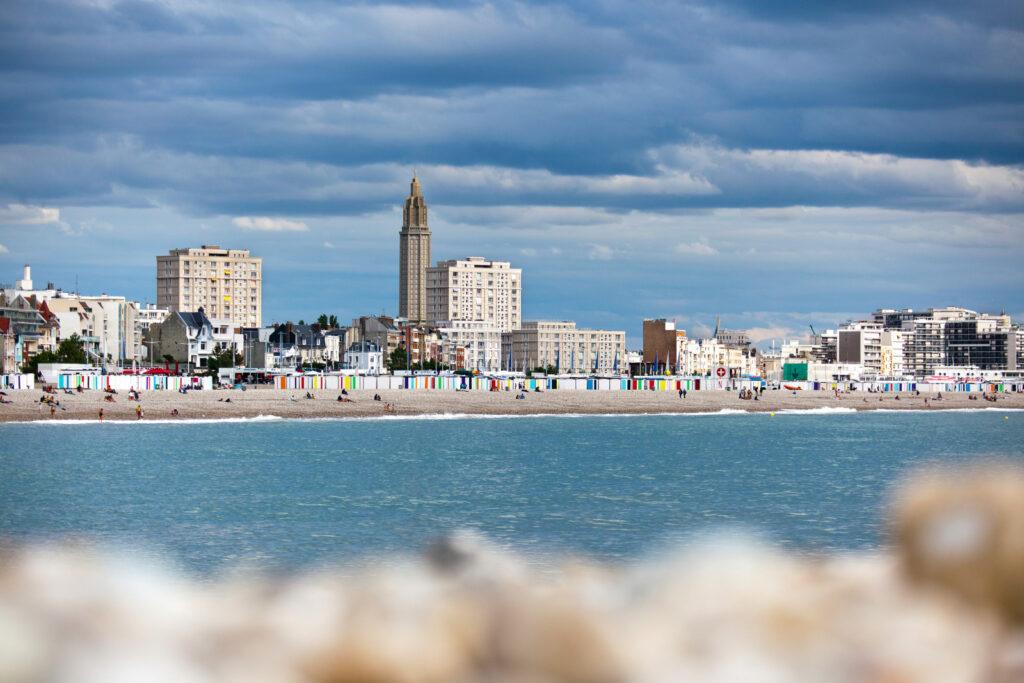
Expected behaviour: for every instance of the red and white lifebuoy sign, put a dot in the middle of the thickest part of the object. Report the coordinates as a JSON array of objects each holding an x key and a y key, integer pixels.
[{"x": 720, "y": 372}]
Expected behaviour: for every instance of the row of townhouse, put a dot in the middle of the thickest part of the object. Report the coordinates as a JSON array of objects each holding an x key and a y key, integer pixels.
[{"x": 39, "y": 319}]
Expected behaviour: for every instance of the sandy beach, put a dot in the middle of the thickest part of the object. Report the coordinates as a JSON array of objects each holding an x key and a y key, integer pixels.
[{"x": 25, "y": 405}]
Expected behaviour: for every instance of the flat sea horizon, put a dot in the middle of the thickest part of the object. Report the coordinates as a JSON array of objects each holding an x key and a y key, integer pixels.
[{"x": 294, "y": 494}]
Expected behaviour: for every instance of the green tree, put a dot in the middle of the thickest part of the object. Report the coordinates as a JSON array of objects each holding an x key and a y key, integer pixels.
[
  {"x": 70, "y": 350},
  {"x": 432, "y": 364},
  {"x": 323, "y": 321},
  {"x": 225, "y": 358},
  {"x": 397, "y": 360},
  {"x": 333, "y": 322}
]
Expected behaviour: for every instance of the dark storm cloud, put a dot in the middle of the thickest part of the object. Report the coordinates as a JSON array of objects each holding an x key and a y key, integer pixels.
[{"x": 641, "y": 116}]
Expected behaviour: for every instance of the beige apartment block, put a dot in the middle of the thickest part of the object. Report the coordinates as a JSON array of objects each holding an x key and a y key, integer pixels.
[
  {"x": 226, "y": 283},
  {"x": 413, "y": 257},
  {"x": 475, "y": 289},
  {"x": 561, "y": 344}
]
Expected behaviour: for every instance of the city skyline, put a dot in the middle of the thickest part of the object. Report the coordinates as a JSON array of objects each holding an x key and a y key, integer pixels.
[{"x": 769, "y": 173}]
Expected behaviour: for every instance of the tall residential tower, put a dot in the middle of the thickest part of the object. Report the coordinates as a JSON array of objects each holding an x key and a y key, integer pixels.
[
  {"x": 414, "y": 257},
  {"x": 227, "y": 283}
]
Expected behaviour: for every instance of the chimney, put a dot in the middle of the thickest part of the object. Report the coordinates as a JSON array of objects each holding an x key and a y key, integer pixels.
[{"x": 25, "y": 282}]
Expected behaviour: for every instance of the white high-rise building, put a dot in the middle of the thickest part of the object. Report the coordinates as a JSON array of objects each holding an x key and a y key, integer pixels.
[
  {"x": 860, "y": 343},
  {"x": 475, "y": 289},
  {"x": 226, "y": 283},
  {"x": 892, "y": 354}
]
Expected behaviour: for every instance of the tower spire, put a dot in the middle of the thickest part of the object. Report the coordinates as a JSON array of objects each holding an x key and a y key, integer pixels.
[{"x": 414, "y": 255}]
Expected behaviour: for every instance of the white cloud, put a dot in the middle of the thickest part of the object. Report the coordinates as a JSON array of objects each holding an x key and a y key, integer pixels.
[
  {"x": 664, "y": 181},
  {"x": 27, "y": 214},
  {"x": 328, "y": 245},
  {"x": 528, "y": 251},
  {"x": 4, "y": 250},
  {"x": 267, "y": 224},
  {"x": 779, "y": 333},
  {"x": 601, "y": 252},
  {"x": 701, "y": 248},
  {"x": 875, "y": 179}
]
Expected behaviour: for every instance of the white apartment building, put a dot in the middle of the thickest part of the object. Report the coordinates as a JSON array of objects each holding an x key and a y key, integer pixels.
[
  {"x": 478, "y": 342},
  {"x": 226, "y": 283},
  {"x": 561, "y": 344},
  {"x": 147, "y": 315},
  {"x": 107, "y": 325},
  {"x": 861, "y": 343},
  {"x": 892, "y": 364},
  {"x": 705, "y": 356},
  {"x": 925, "y": 338},
  {"x": 119, "y": 338},
  {"x": 475, "y": 289}
]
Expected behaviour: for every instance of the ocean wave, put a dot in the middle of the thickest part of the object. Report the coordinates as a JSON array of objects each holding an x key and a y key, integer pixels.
[
  {"x": 433, "y": 417},
  {"x": 823, "y": 410},
  {"x": 152, "y": 421},
  {"x": 945, "y": 410}
]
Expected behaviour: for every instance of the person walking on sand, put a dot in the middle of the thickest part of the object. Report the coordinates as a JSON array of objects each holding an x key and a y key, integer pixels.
[
  {"x": 53, "y": 411},
  {"x": 138, "y": 411},
  {"x": 101, "y": 414}
]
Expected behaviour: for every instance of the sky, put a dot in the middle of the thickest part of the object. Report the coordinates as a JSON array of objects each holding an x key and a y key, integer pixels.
[{"x": 778, "y": 164}]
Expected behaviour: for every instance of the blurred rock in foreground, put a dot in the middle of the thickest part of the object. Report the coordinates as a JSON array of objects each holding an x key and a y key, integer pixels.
[{"x": 947, "y": 604}]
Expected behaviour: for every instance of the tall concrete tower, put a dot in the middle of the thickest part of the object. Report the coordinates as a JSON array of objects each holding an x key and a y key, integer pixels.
[{"x": 414, "y": 256}]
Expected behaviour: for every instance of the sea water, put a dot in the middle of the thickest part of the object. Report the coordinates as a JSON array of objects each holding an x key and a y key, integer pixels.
[{"x": 287, "y": 494}]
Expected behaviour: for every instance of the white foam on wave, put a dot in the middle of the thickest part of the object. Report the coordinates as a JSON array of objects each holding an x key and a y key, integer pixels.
[
  {"x": 429, "y": 417},
  {"x": 434, "y": 417},
  {"x": 823, "y": 410},
  {"x": 939, "y": 409},
  {"x": 158, "y": 421}
]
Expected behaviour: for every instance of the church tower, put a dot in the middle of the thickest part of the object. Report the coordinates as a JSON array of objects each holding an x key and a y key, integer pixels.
[{"x": 414, "y": 257}]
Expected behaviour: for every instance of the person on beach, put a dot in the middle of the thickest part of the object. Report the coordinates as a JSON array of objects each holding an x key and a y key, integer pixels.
[
  {"x": 101, "y": 414},
  {"x": 53, "y": 411},
  {"x": 376, "y": 397},
  {"x": 138, "y": 411},
  {"x": 174, "y": 412}
]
